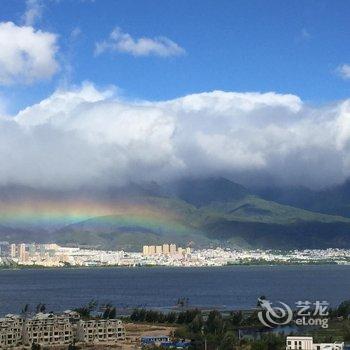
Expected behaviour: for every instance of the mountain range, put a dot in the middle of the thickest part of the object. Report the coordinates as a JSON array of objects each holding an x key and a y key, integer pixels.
[{"x": 198, "y": 212}]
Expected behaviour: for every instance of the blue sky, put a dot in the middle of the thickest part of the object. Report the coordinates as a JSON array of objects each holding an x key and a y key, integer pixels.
[{"x": 288, "y": 47}]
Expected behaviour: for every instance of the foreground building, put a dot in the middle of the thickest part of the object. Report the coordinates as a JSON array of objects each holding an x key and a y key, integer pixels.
[
  {"x": 48, "y": 329},
  {"x": 307, "y": 343},
  {"x": 11, "y": 327},
  {"x": 58, "y": 330},
  {"x": 100, "y": 331}
]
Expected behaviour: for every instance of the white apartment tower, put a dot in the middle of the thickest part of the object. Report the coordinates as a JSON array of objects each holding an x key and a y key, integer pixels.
[
  {"x": 172, "y": 249},
  {"x": 166, "y": 249},
  {"x": 13, "y": 250},
  {"x": 307, "y": 343},
  {"x": 151, "y": 249},
  {"x": 145, "y": 250},
  {"x": 22, "y": 252}
]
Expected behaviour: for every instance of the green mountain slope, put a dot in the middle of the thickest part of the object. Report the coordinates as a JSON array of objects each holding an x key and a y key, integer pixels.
[
  {"x": 202, "y": 212},
  {"x": 245, "y": 222},
  {"x": 334, "y": 200}
]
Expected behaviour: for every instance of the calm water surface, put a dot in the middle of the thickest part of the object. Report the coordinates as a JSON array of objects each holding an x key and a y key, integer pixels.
[{"x": 232, "y": 287}]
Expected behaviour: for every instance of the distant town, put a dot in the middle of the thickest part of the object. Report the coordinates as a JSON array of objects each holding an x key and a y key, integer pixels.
[{"x": 53, "y": 255}]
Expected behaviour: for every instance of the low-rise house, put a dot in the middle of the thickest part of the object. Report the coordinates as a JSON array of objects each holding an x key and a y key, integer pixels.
[
  {"x": 154, "y": 340},
  {"x": 176, "y": 345},
  {"x": 48, "y": 329},
  {"x": 100, "y": 331},
  {"x": 164, "y": 342},
  {"x": 307, "y": 343},
  {"x": 11, "y": 327}
]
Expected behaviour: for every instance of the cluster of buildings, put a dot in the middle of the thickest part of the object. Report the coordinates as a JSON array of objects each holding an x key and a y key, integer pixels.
[
  {"x": 165, "y": 249},
  {"x": 307, "y": 343},
  {"x": 58, "y": 330},
  {"x": 222, "y": 257},
  {"x": 53, "y": 255}
]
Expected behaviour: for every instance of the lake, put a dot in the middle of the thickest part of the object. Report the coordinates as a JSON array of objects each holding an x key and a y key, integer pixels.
[{"x": 232, "y": 287}]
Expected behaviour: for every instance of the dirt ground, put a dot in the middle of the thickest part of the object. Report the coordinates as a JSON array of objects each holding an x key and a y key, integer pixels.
[{"x": 134, "y": 332}]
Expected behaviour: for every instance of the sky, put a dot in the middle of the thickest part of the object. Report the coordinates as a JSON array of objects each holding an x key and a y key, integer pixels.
[
  {"x": 296, "y": 47},
  {"x": 104, "y": 91}
]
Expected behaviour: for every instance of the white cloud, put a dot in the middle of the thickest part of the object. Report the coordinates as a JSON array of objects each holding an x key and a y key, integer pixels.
[
  {"x": 119, "y": 41},
  {"x": 344, "y": 71},
  {"x": 26, "y": 55},
  {"x": 91, "y": 137},
  {"x": 33, "y": 13}
]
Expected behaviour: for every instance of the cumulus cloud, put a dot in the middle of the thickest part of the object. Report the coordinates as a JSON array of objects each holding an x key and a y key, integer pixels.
[
  {"x": 119, "y": 41},
  {"x": 33, "y": 13},
  {"x": 91, "y": 137},
  {"x": 344, "y": 71},
  {"x": 26, "y": 54}
]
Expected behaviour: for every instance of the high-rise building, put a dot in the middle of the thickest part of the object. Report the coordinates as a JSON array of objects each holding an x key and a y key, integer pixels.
[
  {"x": 22, "y": 252},
  {"x": 13, "y": 250},
  {"x": 145, "y": 250},
  {"x": 172, "y": 249},
  {"x": 166, "y": 249},
  {"x": 32, "y": 249}
]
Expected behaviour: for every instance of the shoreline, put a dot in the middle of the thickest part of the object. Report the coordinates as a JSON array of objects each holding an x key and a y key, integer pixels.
[{"x": 38, "y": 267}]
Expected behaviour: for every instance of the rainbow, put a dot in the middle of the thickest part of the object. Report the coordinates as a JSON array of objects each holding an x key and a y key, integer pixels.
[{"x": 58, "y": 213}]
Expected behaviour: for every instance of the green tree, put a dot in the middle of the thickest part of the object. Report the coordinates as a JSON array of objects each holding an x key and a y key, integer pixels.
[
  {"x": 236, "y": 318},
  {"x": 228, "y": 341},
  {"x": 214, "y": 324},
  {"x": 113, "y": 313},
  {"x": 85, "y": 311},
  {"x": 26, "y": 309},
  {"x": 346, "y": 331},
  {"x": 344, "y": 309},
  {"x": 197, "y": 324},
  {"x": 171, "y": 317},
  {"x": 269, "y": 342}
]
